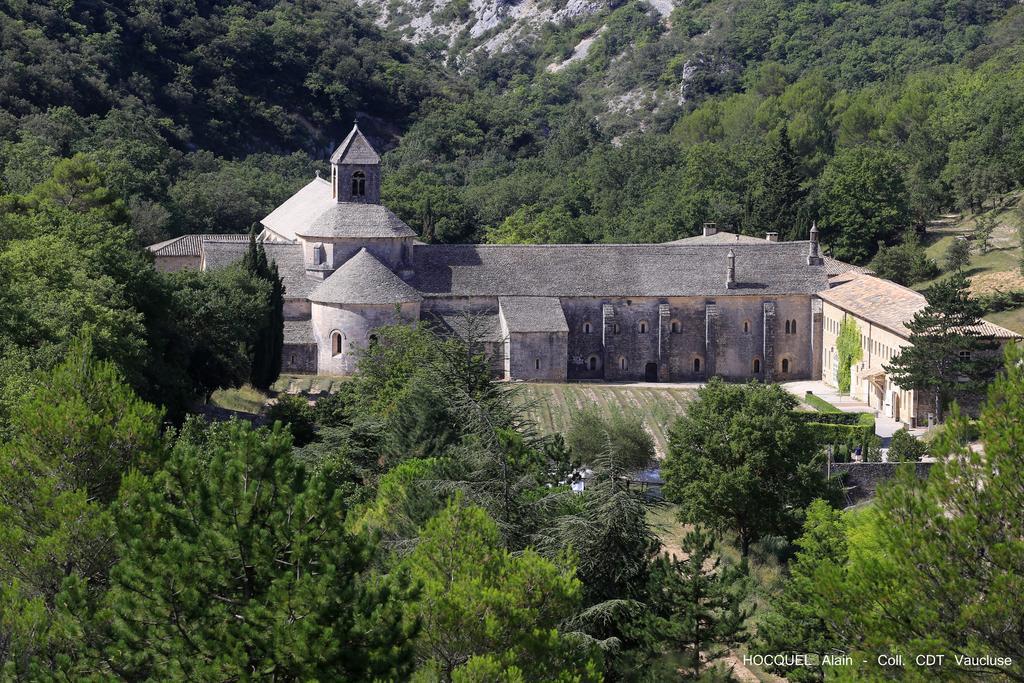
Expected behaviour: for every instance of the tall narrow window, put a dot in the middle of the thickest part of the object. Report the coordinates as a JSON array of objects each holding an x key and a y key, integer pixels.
[
  {"x": 593, "y": 362},
  {"x": 336, "y": 344},
  {"x": 676, "y": 327},
  {"x": 358, "y": 184},
  {"x": 787, "y": 327},
  {"x": 643, "y": 328},
  {"x": 757, "y": 366},
  {"x": 622, "y": 362},
  {"x": 785, "y": 365},
  {"x": 615, "y": 328},
  {"x": 536, "y": 363},
  {"x": 696, "y": 364},
  {"x": 746, "y": 327},
  {"x": 586, "y": 328},
  {"x": 792, "y": 327}
]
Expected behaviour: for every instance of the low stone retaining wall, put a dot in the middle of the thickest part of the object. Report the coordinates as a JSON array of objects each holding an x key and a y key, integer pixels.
[{"x": 861, "y": 479}]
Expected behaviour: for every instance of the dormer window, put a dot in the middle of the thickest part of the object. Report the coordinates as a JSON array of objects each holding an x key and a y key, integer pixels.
[{"x": 358, "y": 184}]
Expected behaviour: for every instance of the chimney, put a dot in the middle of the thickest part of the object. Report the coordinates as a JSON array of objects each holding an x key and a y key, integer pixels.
[
  {"x": 771, "y": 236},
  {"x": 730, "y": 271},
  {"x": 710, "y": 229},
  {"x": 813, "y": 255}
]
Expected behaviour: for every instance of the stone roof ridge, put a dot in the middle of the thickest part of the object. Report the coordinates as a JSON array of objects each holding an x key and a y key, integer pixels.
[
  {"x": 364, "y": 280},
  {"x": 355, "y": 149}
]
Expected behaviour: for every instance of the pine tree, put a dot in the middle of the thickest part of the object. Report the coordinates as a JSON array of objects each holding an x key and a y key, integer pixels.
[
  {"x": 775, "y": 196},
  {"x": 696, "y": 603},
  {"x": 73, "y": 434},
  {"x": 236, "y": 564},
  {"x": 947, "y": 356}
]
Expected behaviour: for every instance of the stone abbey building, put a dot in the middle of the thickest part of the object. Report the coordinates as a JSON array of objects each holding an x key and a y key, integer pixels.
[{"x": 716, "y": 304}]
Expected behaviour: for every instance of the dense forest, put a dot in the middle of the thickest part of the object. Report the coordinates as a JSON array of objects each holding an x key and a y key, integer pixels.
[{"x": 415, "y": 525}]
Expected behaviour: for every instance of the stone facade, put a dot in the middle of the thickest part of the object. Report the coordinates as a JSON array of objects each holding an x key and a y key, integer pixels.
[{"x": 718, "y": 304}]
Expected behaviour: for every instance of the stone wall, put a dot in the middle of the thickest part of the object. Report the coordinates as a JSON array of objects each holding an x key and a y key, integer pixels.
[
  {"x": 172, "y": 264},
  {"x": 355, "y": 323},
  {"x": 538, "y": 356},
  {"x": 299, "y": 358},
  {"x": 861, "y": 479},
  {"x": 688, "y": 339}
]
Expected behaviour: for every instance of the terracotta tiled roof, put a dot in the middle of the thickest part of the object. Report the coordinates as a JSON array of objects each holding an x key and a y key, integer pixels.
[
  {"x": 890, "y": 305},
  {"x": 191, "y": 245}
]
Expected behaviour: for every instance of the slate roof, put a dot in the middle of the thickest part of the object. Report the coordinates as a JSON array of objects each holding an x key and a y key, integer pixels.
[
  {"x": 532, "y": 314},
  {"x": 354, "y": 219},
  {"x": 485, "y": 325},
  {"x": 602, "y": 270},
  {"x": 355, "y": 149},
  {"x": 722, "y": 237},
  {"x": 287, "y": 256},
  {"x": 889, "y": 305},
  {"x": 300, "y": 209},
  {"x": 299, "y": 332},
  {"x": 363, "y": 280},
  {"x": 191, "y": 245}
]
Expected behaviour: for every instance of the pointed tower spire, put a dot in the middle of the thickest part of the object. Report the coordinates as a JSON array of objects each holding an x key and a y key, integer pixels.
[{"x": 355, "y": 170}]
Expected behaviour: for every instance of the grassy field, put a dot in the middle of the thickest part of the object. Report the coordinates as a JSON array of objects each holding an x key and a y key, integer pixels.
[
  {"x": 246, "y": 399},
  {"x": 998, "y": 269},
  {"x": 553, "y": 405}
]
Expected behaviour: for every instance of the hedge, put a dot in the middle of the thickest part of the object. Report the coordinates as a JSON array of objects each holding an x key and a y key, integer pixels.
[
  {"x": 820, "y": 404},
  {"x": 861, "y": 433}
]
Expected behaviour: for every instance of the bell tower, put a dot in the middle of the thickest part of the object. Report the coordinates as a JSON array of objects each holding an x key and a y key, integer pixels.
[{"x": 355, "y": 170}]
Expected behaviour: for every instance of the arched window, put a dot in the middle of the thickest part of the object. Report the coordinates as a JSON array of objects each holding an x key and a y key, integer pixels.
[
  {"x": 593, "y": 362},
  {"x": 746, "y": 327},
  {"x": 792, "y": 327},
  {"x": 586, "y": 328},
  {"x": 787, "y": 327},
  {"x": 358, "y": 184},
  {"x": 622, "y": 362},
  {"x": 757, "y": 366},
  {"x": 696, "y": 364},
  {"x": 536, "y": 363},
  {"x": 292, "y": 359},
  {"x": 643, "y": 327},
  {"x": 337, "y": 343},
  {"x": 785, "y": 365},
  {"x": 676, "y": 327}
]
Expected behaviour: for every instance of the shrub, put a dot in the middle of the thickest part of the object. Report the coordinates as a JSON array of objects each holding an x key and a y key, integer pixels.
[
  {"x": 905, "y": 447},
  {"x": 296, "y": 413}
]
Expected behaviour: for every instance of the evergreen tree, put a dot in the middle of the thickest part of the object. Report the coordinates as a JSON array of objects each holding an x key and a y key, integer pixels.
[
  {"x": 947, "y": 356},
  {"x": 73, "y": 434},
  {"x": 939, "y": 567},
  {"x": 958, "y": 254},
  {"x": 696, "y": 603},
  {"x": 775, "y": 196},
  {"x": 794, "y": 623},
  {"x": 235, "y": 564},
  {"x": 478, "y": 600},
  {"x": 269, "y": 342}
]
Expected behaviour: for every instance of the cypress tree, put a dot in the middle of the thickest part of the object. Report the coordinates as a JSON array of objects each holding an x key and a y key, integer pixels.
[
  {"x": 775, "y": 196},
  {"x": 269, "y": 341}
]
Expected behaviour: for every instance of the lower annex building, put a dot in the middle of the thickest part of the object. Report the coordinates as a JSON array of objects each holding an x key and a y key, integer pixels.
[{"x": 717, "y": 304}]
